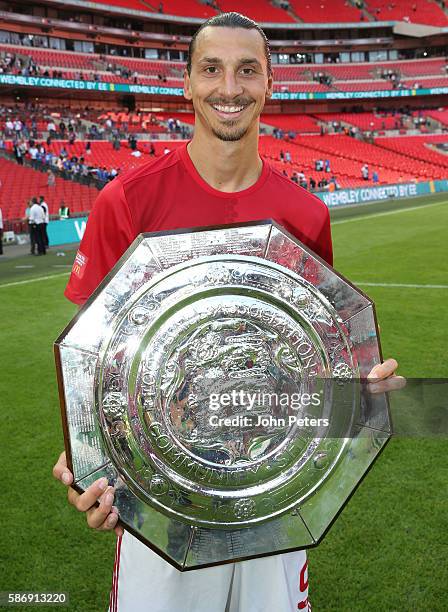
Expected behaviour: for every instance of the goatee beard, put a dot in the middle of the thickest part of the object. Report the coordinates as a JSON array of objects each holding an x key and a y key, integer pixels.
[{"x": 231, "y": 136}]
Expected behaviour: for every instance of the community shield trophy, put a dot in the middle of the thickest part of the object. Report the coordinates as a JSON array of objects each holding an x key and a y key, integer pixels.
[{"x": 215, "y": 377}]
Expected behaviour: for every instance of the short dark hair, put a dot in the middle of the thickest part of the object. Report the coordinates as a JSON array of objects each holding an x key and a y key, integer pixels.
[{"x": 230, "y": 20}]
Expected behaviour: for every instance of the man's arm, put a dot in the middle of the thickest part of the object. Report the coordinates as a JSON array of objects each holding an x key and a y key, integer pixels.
[{"x": 109, "y": 232}]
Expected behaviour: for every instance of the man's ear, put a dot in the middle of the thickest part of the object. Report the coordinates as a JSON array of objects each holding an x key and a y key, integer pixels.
[{"x": 187, "y": 86}]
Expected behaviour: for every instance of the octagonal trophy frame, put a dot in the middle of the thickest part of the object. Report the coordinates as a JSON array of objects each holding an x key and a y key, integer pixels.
[{"x": 186, "y": 313}]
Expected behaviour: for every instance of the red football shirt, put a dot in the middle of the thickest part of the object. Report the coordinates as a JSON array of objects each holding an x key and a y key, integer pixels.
[{"x": 170, "y": 194}]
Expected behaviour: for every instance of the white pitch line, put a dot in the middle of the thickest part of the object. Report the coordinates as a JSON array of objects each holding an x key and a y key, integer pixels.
[
  {"x": 405, "y": 285},
  {"x": 32, "y": 280},
  {"x": 385, "y": 214}
]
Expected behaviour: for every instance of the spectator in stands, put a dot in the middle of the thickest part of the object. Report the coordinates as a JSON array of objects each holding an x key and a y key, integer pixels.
[
  {"x": 334, "y": 181},
  {"x": 327, "y": 165},
  {"x": 85, "y": 174},
  {"x": 365, "y": 172},
  {"x": 287, "y": 157},
  {"x": 51, "y": 129},
  {"x": 9, "y": 128},
  {"x": 282, "y": 155},
  {"x": 88, "y": 148},
  {"x": 18, "y": 127},
  {"x": 64, "y": 211},
  {"x": 312, "y": 184},
  {"x": 19, "y": 151},
  {"x": 51, "y": 179},
  {"x": 33, "y": 153},
  {"x": 375, "y": 177},
  {"x": 319, "y": 165}
]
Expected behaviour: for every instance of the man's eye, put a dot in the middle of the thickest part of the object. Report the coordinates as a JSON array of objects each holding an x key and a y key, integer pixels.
[
  {"x": 211, "y": 70},
  {"x": 248, "y": 71}
]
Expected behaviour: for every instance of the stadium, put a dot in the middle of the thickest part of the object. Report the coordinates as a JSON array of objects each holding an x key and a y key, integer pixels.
[{"x": 358, "y": 117}]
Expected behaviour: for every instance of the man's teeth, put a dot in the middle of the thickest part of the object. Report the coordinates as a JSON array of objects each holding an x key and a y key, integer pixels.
[{"x": 228, "y": 109}]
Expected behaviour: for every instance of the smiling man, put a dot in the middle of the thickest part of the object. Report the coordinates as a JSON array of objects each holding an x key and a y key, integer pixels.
[{"x": 216, "y": 178}]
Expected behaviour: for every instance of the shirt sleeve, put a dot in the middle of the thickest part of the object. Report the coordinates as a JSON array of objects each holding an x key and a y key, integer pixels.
[{"x": 108, "y": 234}]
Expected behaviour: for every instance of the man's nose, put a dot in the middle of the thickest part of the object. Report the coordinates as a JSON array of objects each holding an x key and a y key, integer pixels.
[{"x": 230, "y": 86}]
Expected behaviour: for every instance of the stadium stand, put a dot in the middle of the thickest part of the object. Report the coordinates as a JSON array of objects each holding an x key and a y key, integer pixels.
[
  {"x": 20, "y": 184},
  {"x": 325, "y": 11},
  {"x": 419, "y": 67},
  {"x": 440, "y": 115},
  {"x": 362, "y": 85},
  {"x": 365, "y": 121},
  {"x": 303, "y": 87},
  {"x": 419, "y": 149},
  {"x": 259, "y": 10},
  {"x": 423, "y": 11},
  {"x": 303, "y": 124},
  {"x": 128, "y": 4},
  {"x": 51, "y": 58},
  {"x": 425, "y": 82},
  {"x": 308, "y": 11},
  {"x": 303, "y": 78},
  {"x": 184, "y": 8}
]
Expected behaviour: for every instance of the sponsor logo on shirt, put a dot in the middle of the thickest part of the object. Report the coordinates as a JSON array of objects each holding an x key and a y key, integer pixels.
[{"x": 79, "y": 264}]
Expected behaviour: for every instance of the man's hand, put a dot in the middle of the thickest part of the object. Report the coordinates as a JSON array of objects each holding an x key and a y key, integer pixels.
[
  {"x": 103, "y": 517},
  {"x": 382, "y": 377}
]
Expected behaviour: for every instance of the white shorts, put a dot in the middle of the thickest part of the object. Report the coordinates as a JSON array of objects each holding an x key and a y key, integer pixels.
[{"x": 144, "y": 582}]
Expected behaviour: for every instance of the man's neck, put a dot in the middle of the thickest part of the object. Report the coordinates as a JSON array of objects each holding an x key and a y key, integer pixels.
[{"x": 226, "y": 166}]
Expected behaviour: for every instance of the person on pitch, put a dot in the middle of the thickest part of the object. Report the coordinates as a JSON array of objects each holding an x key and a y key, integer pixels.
[{"x": 216, "y": 178}]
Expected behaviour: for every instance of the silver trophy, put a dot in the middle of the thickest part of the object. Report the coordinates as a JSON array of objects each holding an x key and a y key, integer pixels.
[{"x": 215, "y": 377}]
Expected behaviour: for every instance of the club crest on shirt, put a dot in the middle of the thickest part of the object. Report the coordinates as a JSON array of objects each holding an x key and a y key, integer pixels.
[{"x": 79, "y": 264}]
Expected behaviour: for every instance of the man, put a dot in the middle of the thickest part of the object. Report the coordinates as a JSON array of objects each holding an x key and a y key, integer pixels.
[
  {"x": 216, "y": 178},
  {"x": 47, "y": 219},
  {"x": 37, "y": 223},
  {"x": 30, "y": 228},
  {"x": 33, "y": 151}
]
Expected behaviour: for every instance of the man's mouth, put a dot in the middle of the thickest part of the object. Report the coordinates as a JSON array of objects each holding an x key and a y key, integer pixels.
[{"x": 229, "y": 111}]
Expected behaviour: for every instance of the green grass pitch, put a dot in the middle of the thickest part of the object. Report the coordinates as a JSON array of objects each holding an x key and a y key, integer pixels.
[{"x": 387, "y": 550}]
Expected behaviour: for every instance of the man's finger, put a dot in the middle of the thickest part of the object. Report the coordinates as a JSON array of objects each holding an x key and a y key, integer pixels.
[
  {"x": 61, "y": 471},
  {"x": 382, "y": 370},
  {"x": 103, "y": 517},
  {"x": 393, "y": 383},
  {"x": 90, "y": 496}
]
